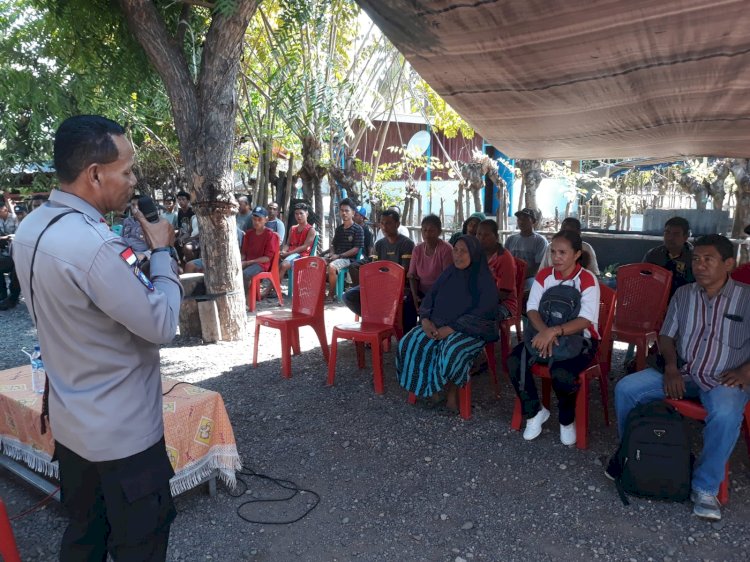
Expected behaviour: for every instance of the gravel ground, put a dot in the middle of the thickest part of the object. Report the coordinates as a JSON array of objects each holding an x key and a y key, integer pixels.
[{"x": 396, "y": 482}]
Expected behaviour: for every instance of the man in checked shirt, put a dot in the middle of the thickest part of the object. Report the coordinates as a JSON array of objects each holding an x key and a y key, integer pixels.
[{"x": 704, "y": 342}]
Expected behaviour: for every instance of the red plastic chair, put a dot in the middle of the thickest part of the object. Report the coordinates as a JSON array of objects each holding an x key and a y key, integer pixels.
[
  {"x": 253, "y": 291},
  {"x": 693, "y": 409},
  {"x": 742, "y": 273},
  {"x": 8, "y": 548},
  {"x": 310, "y": 276},
  {"x": 505, "y": 325},
  {"x": 642, "y": 298},
  {"x": 381, "y": 293},
  {"x": 599, "y": 368}
]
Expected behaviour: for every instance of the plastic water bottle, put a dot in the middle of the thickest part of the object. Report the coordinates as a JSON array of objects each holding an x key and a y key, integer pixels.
[{"x": 38, "y": 374}]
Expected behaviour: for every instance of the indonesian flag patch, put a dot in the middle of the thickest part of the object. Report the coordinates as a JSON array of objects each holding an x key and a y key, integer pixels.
[{"x": 128, "y": 257}]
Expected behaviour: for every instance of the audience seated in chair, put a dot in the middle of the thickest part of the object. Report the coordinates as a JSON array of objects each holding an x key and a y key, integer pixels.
[
  {"x": 502, "y": 266},
  {"x": 573, "y": 224},
  {"x": 704, "y": 354},
  {"x": 301, "y": 239},
  {"x": 458, "y": 313},
  {"x": 347, "y": 242},
  {"x": 187, "y": 241},
  {"x": 528, "y": 245},
  {"x": 429, "y": 259},
  {"x": 469, "y": 227},
  {"x": 259, "y": 247},
  {"x": 676, "y": 254},
  {"x": 393, "y": 247},
  {"x": 274, "y": 223},
  {"x": 569, "y": 263}
]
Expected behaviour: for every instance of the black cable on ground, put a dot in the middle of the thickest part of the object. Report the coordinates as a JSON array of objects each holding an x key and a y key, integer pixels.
[
  {"x": 281, "y": 483},
  {"x": 175, "y": 386},
  {"x": 35, "y": 507}
]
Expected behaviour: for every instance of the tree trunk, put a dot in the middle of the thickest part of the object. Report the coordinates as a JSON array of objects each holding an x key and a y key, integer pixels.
[
  {"x": 289, "y": 185},
  {"x": 740, "y": 168},
  {"x": 204, "y": 116},
  {"x": 460, "y": 205},
  {"x": 532, "y": 177},
  {"x": 477, "y": 200}
]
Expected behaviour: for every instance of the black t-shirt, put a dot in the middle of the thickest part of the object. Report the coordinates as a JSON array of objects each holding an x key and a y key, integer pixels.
[{"x": 185, "y": 222}]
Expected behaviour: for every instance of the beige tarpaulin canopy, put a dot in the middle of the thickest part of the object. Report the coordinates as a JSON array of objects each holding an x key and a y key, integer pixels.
[{"x": 572, "y": 79}]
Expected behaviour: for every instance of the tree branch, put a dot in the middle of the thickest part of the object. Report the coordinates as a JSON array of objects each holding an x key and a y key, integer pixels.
[{"x": 167, "y": 57}]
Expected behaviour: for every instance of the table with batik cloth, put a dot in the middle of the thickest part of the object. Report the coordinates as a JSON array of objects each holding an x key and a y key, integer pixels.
[{"x": 199, "y": 437}]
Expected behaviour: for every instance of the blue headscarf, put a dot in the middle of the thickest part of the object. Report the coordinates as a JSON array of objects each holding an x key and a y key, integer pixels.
[{"x": 465, "y": 299}]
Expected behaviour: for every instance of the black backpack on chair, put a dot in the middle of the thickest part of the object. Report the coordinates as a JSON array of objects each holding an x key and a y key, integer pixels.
[{"x": 654, "y": 458}]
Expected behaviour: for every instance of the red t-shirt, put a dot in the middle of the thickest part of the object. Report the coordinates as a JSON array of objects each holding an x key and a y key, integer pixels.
[
  {"x": 297, "y": 238},
  {"x": 503, "y": 268},
  {"x": 256, "y": 245}
]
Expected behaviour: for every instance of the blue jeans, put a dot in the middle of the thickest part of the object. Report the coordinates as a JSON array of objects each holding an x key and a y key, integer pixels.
[{"x": 725, "y": 407}]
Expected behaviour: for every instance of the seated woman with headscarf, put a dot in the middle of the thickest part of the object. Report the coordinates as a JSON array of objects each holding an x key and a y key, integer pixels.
[
  {"x": 459, "y": 316},
  {"x": 469, "y": 227}
]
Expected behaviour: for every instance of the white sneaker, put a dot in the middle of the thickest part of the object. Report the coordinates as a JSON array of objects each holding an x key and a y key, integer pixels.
[
  {"x": 568, "y": 434},
  {"x": 534, "y": 425}
]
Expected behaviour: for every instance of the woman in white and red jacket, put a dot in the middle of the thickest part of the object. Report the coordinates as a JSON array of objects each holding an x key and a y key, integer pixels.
[{"x": 569, "y": 262}]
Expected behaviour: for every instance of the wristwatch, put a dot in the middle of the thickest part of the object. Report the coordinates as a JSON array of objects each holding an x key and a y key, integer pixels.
[{"x": 169, "y": 249}]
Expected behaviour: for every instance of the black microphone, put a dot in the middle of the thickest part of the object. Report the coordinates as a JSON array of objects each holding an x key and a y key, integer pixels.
[{"x": 147, "y": 206}]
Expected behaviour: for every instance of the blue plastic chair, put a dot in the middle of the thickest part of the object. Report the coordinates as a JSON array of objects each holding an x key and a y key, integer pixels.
[{"x": 290, "y": 275}]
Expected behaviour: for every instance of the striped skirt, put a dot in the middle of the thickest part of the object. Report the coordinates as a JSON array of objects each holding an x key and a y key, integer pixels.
[{"x": 424, "y": 366}]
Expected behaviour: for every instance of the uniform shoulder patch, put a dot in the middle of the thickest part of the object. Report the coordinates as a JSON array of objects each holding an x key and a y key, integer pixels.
[{"x": 128, "y": 256}]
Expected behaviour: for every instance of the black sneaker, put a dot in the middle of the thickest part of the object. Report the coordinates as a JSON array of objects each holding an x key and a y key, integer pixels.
[
  {"x": 7, "y": 304},
  {"x": 613, "y": 470}
]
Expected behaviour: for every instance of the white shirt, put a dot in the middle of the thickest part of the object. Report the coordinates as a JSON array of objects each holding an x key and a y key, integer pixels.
[{"x": 581, "y": 279}]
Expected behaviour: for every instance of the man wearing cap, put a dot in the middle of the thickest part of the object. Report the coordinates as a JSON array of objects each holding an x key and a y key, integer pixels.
[
  {"x": 360, "y": 217},
  {"x": 301, "y": 239},
  {"x": 259, "y": 246},
  {"x": 528, "y": 245},
  {"x": 274, "y": 222},
  {"x": 21, "y": 212}
]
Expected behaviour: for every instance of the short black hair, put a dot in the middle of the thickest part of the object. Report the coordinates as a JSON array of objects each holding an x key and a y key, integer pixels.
[
  {"x": 302, "y": 207},
  {"x": 83, "y": 140},
  {"x": 573, "y": 221},
  {"x": 492, "y": 225},
  {"x": 680, "y": 223},
  {"x": 183, "y": 193},
  {"x": 349, "y": 203},
  {"x": 391, "y": 213},
  {"x": 722, "y": 244},
  {"x": 434, "y": 220},
  {"x": 169, "y": 197}
]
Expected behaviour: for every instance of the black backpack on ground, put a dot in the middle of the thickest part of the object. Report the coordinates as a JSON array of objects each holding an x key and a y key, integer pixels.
[{"x": 654, "y": 458}]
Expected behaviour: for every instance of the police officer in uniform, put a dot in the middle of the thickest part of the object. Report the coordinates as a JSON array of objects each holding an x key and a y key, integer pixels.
[{"x": 100, "y": 322}]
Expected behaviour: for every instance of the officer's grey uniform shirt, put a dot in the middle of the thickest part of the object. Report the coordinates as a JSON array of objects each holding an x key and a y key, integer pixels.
[{"x": 99, "y": 328}]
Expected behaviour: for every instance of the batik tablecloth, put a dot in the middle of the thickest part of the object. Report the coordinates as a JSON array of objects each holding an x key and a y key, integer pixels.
[{"x": 197, "y": 430}]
